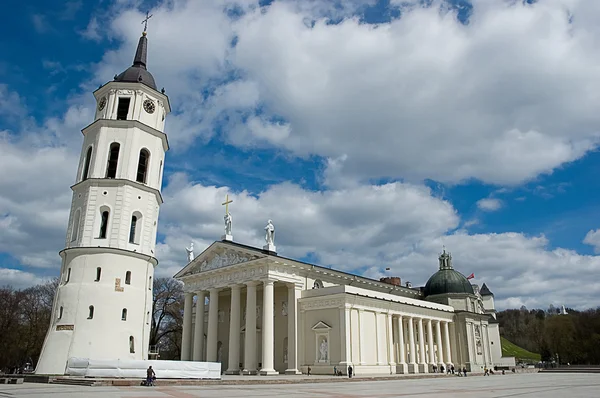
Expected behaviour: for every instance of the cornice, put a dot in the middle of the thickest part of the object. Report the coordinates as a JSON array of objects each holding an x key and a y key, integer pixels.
[
  {"x": 126, "y": 124},
  {"x": 114, "y": 182}
]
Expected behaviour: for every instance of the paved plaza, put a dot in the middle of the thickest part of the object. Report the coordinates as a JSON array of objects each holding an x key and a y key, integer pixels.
[{"x": 524, "y": 385}]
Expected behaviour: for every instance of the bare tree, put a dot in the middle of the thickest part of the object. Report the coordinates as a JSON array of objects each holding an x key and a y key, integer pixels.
[{"x": 167, "y": 317}]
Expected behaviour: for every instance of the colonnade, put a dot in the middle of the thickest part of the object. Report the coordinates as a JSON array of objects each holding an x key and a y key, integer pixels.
[
  {"x": 433, "y": 346},
  {"x": 250, "y": 363}
]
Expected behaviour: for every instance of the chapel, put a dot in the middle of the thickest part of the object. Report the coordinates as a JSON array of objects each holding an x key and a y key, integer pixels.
[{"x": 256, "y": 312}]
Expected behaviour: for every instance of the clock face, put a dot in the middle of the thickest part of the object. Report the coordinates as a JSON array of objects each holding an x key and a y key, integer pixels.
[
  {"x": 149, "y": 106},
  {"x": 101, "y": 103}
]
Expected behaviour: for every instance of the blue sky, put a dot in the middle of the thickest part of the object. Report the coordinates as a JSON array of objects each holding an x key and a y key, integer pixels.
[{"x": 390, "y": 127}]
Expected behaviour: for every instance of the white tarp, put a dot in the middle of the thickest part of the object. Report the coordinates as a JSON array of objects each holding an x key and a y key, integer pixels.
[{"x": 84, "y": 367}]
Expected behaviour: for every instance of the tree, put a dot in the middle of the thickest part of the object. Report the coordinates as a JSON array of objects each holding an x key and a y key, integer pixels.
[{"x": 167, "y": 317}]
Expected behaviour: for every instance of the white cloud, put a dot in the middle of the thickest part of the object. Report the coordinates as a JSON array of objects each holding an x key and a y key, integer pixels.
[
  {"x": 19, "y": 279},
  {"x": 369, "y": 228},
  {"x": 503, "y": 99},
  {"x": 489, "y": 204},
  {"x": 592, "y": 238}
]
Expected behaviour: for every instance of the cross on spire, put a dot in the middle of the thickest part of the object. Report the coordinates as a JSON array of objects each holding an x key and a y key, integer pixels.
[
  {"x": 226, "y": 204},
  {"x": 145, "y": 21}
]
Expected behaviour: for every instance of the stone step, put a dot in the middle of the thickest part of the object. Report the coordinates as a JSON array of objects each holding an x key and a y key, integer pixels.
[{"x": 73, "y": 382}]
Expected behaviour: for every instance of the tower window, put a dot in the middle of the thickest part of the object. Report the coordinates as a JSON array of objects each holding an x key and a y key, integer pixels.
[
  {"x": 113, "y": 160},
  {"x": 98, "y": 274},
  {"x": 60, "y": 312},
  {"x": 160, "y": 170},
  {"x": 68, "y": 275},
  {"x": 103, "y": 225},
  {"x": 131, "y": 345},
  {"x": 142, "y": 169},
  {"x": 91, "y": 313},
  {"x": 123, "y": 108},
  {"x": 148, "y": 318},
  {"x": 128, "y": 278},
  {"x": 124, "y": 314},
  {"x": 75, "y": 230},
  {"x": 86, "y": 164},
  {"x": 132, "y": 229},
  {"x": 150, "y": 283}
]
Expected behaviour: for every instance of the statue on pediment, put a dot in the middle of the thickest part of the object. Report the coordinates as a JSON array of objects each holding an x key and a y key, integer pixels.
[
  {"x": 270, "y": 233},
  {"x": 228, "y": 221},
  {"x": 190, "y": 252}
]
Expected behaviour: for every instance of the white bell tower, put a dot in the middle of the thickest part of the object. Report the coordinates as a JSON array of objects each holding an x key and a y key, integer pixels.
[{"x": 103, "y": 306}]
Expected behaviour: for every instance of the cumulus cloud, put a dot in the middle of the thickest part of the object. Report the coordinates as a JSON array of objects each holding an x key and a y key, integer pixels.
[
  {"x": 503, "y": 98},
  {"x": 592, "y": 238},
  {"x": 489, "y": 204}
]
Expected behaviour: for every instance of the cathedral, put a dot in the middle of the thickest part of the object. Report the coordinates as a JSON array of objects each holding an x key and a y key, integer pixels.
[
  {"x": 268, "y": 314},
  {"x": 247, "y": 310}
]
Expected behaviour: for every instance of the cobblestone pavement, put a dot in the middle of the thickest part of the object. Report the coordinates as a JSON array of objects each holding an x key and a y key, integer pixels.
[{"x": 497, "y": 386}]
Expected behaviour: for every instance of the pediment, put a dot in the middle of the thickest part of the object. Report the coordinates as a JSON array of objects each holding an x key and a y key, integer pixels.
[
  {"x": 321, "y": 326},
  {"x": 217, "y": 256}
]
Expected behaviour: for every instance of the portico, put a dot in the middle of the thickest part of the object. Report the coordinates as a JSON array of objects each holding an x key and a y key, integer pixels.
[{"x": 261, "y": 314}]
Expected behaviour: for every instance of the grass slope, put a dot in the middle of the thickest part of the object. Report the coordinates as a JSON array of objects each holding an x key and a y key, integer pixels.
[{"x": 512, "y": 350}]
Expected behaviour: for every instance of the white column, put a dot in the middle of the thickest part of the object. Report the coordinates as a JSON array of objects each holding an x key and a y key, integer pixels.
[
  {"x": 390, "y": 341},
  {"x": 401, "y": 345},
  {"x": 412, "y": 366},
  {"x": 186, "y": 337},
  {"x": 213, "y": 325},
  {"x": 423, "y": 368},
  {"x": 293, "y": 296},
  {"x": 199, "y": 327},
  {"x": 430, "y": 343},
  {"x": 250, "y": 336},
  {"x": 234, "y": 331},
  {"x": 345, "y": 338},
  {"x": 447, "y": 354},
  {"x": 438, "y": 335},
  {"x": 361, "y": 337},
  {"x": 268, "y": 329}
]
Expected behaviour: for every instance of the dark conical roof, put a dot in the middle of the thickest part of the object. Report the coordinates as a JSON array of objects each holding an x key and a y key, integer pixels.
[
  {"x": 137, "y": 73},
  {"x": 485, "y": 291},
  {"x": 447, "y": 280}
]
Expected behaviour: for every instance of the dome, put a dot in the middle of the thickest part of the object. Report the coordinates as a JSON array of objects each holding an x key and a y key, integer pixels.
[
  {"x": 137, "y": 73},
  {"x": 447, "y": 280}
]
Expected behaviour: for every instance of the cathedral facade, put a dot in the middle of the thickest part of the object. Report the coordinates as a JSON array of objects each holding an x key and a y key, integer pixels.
[{"x": 268, "y": 314}]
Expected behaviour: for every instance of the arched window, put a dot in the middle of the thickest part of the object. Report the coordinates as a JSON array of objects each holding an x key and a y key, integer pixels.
[
  {"x": 91, "y": 313},
  {"x": 103, "y": 224},
  {"x": 98, "y": 274},
  {"x": 150, "y": 283},
  {"x": 128, "y": 278},
  {"x": 142, "y": 169},
  {"x": 132, "y": 229},
  {"x": 60, "y": 312},
  {"x": 86, "y": 164},
  {"x": 124, "y": 314},
  {"x": 148, "y": 318},
  {"x": 131, "y": 345},
  {"x": 75, "y": 229},
  {"x": 68, "y": 275},
  {"x": 113, "y": 160}
]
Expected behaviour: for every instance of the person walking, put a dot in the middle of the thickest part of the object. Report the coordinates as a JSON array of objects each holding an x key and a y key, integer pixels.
[
  {"x": 349, "y": 371},
  {"x": 309, "y": 369},
  {"x": 464, "y": 369},
  {"x": 150, "y": 376}
]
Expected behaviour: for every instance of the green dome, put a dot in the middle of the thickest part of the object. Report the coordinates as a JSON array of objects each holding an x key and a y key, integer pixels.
[{"x": 447, "y": 281}]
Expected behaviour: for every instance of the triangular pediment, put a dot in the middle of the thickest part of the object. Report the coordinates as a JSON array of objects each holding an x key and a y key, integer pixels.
[
  {"x": 219, "y": 255},
  {"x": 321, "y": 326}
]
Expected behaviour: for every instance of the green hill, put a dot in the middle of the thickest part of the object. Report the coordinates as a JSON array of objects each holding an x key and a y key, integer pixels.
[{"x": 512, "y": 350}]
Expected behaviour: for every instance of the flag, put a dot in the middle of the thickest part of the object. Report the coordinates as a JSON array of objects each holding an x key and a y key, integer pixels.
[{"x": 471, "y": 276}]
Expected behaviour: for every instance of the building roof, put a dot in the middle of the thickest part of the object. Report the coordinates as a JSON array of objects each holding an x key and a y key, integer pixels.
[
  {"x": 447, "y": 280},
  {"x": 485, "y": 291},
  {"x": 137, "y": 73}
]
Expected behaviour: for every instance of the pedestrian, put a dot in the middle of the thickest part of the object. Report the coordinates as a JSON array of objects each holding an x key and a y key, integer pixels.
[
  {"x": 309, "y": 371},
  {"x": 452, "y": 369},
  {"x": 150, "y": 376},
  {"x": 442, "y": 369},
  {"x": 335, "y": 370},
  {"x": 349, "y": 371},
  {"x": 465, "y": 371}
]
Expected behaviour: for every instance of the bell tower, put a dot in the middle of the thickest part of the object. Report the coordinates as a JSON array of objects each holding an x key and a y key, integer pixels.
[{"x": 103, "y": 305}]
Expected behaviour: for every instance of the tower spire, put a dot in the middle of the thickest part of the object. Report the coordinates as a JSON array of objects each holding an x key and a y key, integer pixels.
[{"x": 141, "y": 54}]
